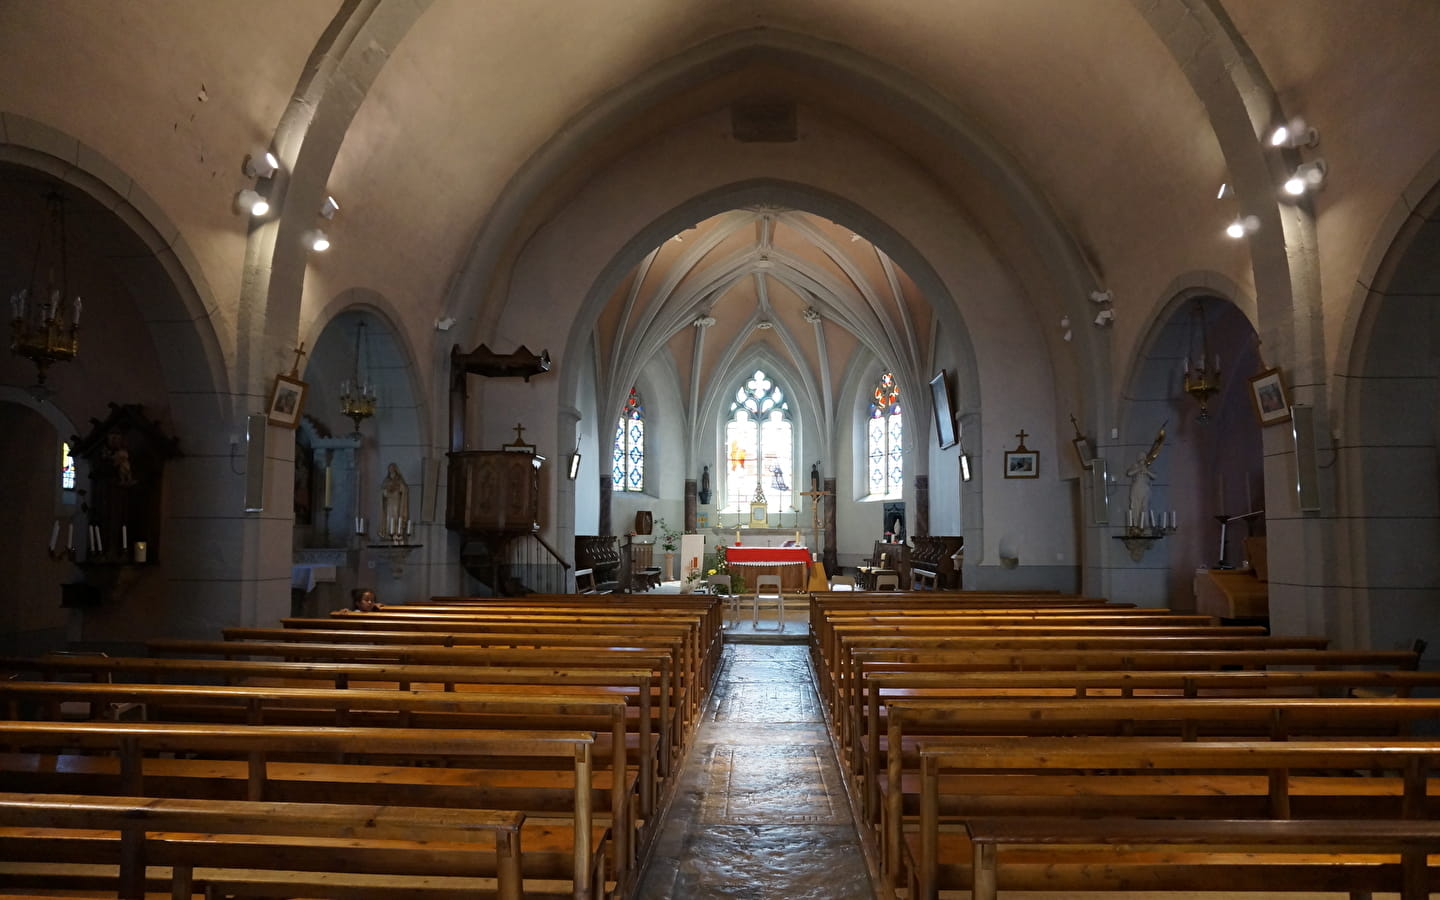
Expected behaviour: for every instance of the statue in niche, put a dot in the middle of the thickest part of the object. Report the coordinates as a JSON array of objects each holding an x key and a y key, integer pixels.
[
  {"x": 394, "y": 503},
  {"x": 703, "y": 495}
]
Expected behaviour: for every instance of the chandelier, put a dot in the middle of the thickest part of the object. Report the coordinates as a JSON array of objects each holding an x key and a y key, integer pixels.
[
  {"x": 44, "y": 318},
  {"x": 1203, "y": 379},
  {"x": 357, "y": 393}
]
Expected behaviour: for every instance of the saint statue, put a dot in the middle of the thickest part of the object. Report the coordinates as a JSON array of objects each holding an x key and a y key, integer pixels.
[
  {"x": 394, "y": 503},
  {"x": 815, "y": 478},
  {"x": 704, "y": 492},
  {"x": 1141, "y": 477}
]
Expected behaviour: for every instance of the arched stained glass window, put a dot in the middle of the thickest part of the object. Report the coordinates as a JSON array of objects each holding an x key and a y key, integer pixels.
[
  {"x": 759, "y": 446},
  {"x": 627, "y": 460},
  {"x": 885, "y": 429},
  {"x": 67, "y": 467}
]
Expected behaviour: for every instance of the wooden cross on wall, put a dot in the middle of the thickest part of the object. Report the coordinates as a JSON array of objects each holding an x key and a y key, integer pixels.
[{"x": 1022, "y": 436}]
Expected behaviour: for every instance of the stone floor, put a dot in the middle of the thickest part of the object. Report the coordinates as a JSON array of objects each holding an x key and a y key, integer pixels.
[{"x": 759, "y": 812}]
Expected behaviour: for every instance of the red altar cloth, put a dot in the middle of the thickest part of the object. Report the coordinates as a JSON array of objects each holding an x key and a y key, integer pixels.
[{"x": 792, "y": 564}]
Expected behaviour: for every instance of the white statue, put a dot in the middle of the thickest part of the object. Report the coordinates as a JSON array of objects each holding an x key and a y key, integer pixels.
[
  {"x": 1141, "y": 477},
  {"x": 394, "y": 504}
]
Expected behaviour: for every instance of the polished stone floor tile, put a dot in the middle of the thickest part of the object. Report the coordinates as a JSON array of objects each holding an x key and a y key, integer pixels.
[{"x": 759, "y": 812}]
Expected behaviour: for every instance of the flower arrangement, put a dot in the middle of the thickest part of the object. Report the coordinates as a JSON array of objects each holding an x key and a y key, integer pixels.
[
  {"x": 715, "y": 564},
  {"x": 669, "y": 537}
]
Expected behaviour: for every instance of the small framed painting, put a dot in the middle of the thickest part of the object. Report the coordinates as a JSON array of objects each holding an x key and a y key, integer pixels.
[
  {"x": 1022, "y": 464},
  {"x": 287, "y": 402},
  {"x": 759, "y": 514},
  {"x": 1267, "y": 393}
]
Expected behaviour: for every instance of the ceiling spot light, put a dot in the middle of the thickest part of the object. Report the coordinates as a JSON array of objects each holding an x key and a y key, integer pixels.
[
  {"x": 1294, "y": 133},
  {"x": 250, "y": 201},
  {"x": 262, "y": 166},
  {"x": 1225, "y": 191},
  {"x": 764, "y": 324},
  {"x": 1309, "y": 177},
  {"x": 317, "y": 240},
  {"x": 1242, "y": 226},
  {"x": 329, "y": 208}
]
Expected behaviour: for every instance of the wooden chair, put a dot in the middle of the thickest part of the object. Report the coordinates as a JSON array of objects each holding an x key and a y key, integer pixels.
[
  {"x": 761, "y": 583},
  {"x": 887, "y": 582}
]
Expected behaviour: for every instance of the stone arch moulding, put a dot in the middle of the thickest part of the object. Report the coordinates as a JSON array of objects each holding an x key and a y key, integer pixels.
[
  {"x": 428, "y": 390},
  {"x": 137, "y": 212},
  {"x": 756, "y": 192}
]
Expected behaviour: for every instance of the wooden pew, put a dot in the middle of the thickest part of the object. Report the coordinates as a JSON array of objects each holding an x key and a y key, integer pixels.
[
  {"x": 1178, "y": 780},
  {"x": 489, "y": 841},
  {"x": 260, "y": 747},
  {"x": 680, "y": 640},
  {"x": 878, "y": 687},
  {"x": 912, "y": 723}
]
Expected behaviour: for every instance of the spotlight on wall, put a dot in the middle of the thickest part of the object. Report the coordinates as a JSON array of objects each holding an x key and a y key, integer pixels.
[
  {"x": 574, "y": 470},
  {"x": 1294, "y": 133},
  {"x": 1065, "y": 326},
  {"x": 317, "y": 240},
  {"x": 1242, "y": 226},
  {"x": 1225, "y": 191},
  {"x": 1309, "y": 177},
  {"x": 262, "y": 166},
  {"x": 329, "y": 208},
  {"x": 250, "y": 201},
  {"x": 1105, "y": 317},
  {"x": 1101, "y": 297}
]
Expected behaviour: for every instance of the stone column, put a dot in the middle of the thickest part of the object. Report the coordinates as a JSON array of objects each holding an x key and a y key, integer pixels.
[
  {"x": 920, "y": 525},
  {"x": 691, "y": 505}
]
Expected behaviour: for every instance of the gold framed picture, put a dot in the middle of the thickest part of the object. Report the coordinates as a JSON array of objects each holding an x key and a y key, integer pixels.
[
  {"x": 1267, "y": 394},
  {"x": 1022, "y": 464}
]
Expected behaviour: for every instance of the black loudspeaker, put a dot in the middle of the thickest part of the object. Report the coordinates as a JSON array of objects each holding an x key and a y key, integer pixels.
[
  {"x": 1307, "y": 471},
  {"x": 255, "y": 426}
]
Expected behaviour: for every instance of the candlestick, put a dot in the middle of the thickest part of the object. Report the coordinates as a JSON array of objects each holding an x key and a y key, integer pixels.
[
  {"x": 124, "y": 537},
  {"x": 54, "y": 535}
]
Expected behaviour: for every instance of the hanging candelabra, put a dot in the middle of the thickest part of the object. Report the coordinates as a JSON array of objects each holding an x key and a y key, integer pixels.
[
  {"x": 357, "y": 393},
  {"x": 44, "y": 318},
  {"x": 1203, "y": 380}
]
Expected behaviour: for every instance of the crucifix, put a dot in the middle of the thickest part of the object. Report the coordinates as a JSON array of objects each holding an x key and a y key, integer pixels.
[
  {"x": 1022, "y": 436},
  {"x": 299, "y": 354}
]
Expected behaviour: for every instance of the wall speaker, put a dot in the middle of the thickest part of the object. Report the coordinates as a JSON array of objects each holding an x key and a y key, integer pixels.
[
  {"x": 430, "y": 475},
  {"x": 255, "y": 426},
  {"x": 1307, "y": 471},
  {"x": 1099, "y": 492}
]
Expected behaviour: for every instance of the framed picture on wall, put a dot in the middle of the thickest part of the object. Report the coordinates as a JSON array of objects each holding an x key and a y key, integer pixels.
[
  {"x": 1267, "y": 393},
  {"x": 287, "y": 402},
  {"x": 1022, "y": 464},
  {"x": 944, "y": 415}
]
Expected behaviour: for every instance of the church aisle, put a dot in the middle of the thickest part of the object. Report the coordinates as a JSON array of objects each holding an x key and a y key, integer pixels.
[{"x": 760, "y": 812}]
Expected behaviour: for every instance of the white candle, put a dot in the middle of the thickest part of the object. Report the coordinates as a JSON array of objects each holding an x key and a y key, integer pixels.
[
  {"x": 124, "y": 537},
  {"x": 54, "y": 535},
  {"x": 390, "y": 525},
  {"x": 1174, "y": 520},
  {"x": 70, "y": 536}
]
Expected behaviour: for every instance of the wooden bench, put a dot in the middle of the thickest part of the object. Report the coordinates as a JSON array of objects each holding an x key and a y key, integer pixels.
[
  {"x": 1308, "y": 844},
  {"x": 914, "y": 723},
  {"x": 1071, "y": 777},
  {"x": 480, "y": 841},
  {"x": 570, "y": 851}
]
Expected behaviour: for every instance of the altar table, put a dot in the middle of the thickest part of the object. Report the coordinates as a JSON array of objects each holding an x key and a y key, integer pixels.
[{"x": 792, "y": 564}]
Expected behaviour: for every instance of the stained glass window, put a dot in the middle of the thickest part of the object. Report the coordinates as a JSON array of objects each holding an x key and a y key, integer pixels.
[
  {"x": 885, "y": 429},
  {"x": 67, "y": 467},
  {"x": 627, "y": 459},
  {"x": 759, "y": 446}
]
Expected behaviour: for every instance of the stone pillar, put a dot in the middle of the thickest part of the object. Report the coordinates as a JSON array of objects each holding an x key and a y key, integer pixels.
[
  {"x": 829, "y": 557},
  {"x": 691, "y": 505},
  {"x": 604, "y": 525},
  {"x": 920, "y": 526}
]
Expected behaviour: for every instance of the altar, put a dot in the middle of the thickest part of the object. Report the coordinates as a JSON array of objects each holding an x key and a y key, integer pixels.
[{"x": 792, "y": 564}]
